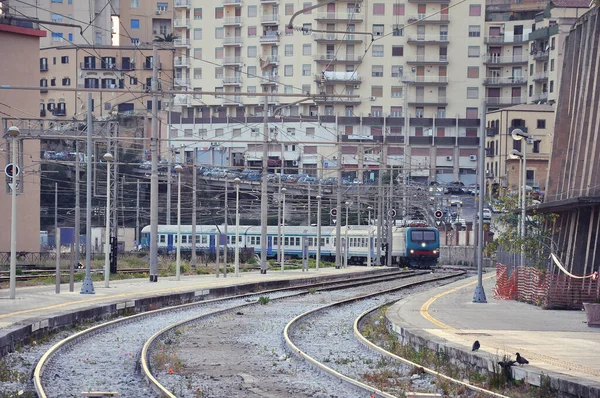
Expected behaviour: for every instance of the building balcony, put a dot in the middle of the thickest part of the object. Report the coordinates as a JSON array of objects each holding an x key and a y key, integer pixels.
[
  {"x": 333, "y": 99},
  {"x": 231, "y": 2},
  {"x": 105, "y": 66},
  {"x": 270, "y": 38},
  {"x": 269, "y": 1},
  {"x": 491, "y": 131},
  {"x": 333, "y": 58},
  {"x": 232, "y": 81},
  {"x": 427, "y": 39},
  {"x": 337, "y": 37},
  {"x": 181, "y": 23},
  {"x": 232, "y": 100},
  {"x": 426, "y": 18},
  {"x": 273, "y": 99},
  {"x": 338, "y": 77},
  {"x": 269, "y": 19},
  {"x": 181, "y": 62},
  {"x": 422, "y": 100},
  {"x": 489, "y": 153},
  {"x": 59, "y": 112},
  {"x": 540, "y": 97},
  {"x": 505, "y": 100},
  {"x": 182, "y": 3},
  {"x": 266, "y": 60},
  {"x": 505, "y": 81},
  {"x": 181, "y": 43},
  {"x": 504, "y": 39},
  {"x": 497, "y": 59},
  {"x": 182, "y": 81},
  {"x": 232, "y": 61},
  {"x": 232, "y": 21},
  {"x": 541, "y": 55},
  {"x": 268, "y": 80},
  {"x": 232, "y": 41},
  {"x": 430, "y": 80},
  {"x": 540, "y": 77},
  {"x": 427, "y": 60},
  {"x": 339, "y": 16}
]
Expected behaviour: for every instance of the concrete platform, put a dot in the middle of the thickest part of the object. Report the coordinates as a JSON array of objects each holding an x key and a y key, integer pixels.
[
  {"x": 558, "y": 344},
  {"x": 37, "y": 309}
]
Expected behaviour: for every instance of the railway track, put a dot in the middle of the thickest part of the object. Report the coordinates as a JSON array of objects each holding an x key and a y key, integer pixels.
[{"x": 108, "y": 356}]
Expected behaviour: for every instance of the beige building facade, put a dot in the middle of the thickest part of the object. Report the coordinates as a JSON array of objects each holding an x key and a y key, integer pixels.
[
  {"x": 19, "y": 69},
  {"x": 535, "y": 120}
]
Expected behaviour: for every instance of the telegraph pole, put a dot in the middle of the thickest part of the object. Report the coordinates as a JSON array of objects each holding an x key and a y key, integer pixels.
[
  {"x": 479, "y": 295},
  {"x": 77, "y": 215},
  {"x": 379, "y": 207},
  {"x": 226, "y": 221},
  {"x": 194, "y": 209},
  {"x": 264, "y": 205},
  {"x": 169, "y": 180},
  {"x": 154, "y": 176},
  {"x": 338, "y": 224},
  {"x": 88, "y": 286},
  {"x": 137, "y": 214}
]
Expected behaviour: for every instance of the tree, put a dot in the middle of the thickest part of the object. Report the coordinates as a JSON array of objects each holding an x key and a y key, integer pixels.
[
  {"x": 166, "y": 38},
  {"x": 537, "y": 242}
]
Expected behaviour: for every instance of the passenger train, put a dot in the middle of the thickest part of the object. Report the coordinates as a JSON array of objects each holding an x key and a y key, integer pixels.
[{"x": 416, "y": 246}]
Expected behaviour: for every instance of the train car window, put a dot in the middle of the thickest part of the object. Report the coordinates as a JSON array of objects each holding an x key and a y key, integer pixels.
[
  {"x": 322, "y": 241},
  {"x": 175, "y": 238},
  {"x": 297, "y": 241},
  {"x": 258, "y": 240},
  {"x": 423, "y": 236},
  {"x": 204, "y": 239},
  {"x": 162, "y": 238},
  {"x": 286, "y": 241},
  {"x": 275, "y": 241},
  {"x": 197, "y": 238}
]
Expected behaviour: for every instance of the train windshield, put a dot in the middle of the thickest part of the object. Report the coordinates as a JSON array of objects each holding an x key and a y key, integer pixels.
[{"x": 422, "y": 236}]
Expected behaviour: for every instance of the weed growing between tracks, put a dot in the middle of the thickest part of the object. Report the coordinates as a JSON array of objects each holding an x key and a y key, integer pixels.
[{"x": 376, "y": 331}]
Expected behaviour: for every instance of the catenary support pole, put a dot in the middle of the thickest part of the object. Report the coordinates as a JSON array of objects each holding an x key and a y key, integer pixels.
[
  {"x": 479, "y": 295},
  {"x": 154, "y": 176},
  {"x": 264, "y": 205},
  {"x": 88, "y": 286},
  {"x": 338, "y": 217},
  {"x": 194, "y": 188},
  {"x": 77, "y": 218},
  {"x": 56, "y": 238}
]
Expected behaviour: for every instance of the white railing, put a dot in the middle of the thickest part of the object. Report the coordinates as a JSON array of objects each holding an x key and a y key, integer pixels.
[
  {"x": 232, "y": 21},
  {"x": 505, "y": 80},
  {"x": 336, "y": 36},
  {"x": 427, "y": 59},
  {"x": 497, "y": 59},
  {"x": 181, "y": 42},
  {"x": 182, "y": 61},
  {"x": 540, "y": 76},
  {"x": 340, "y": 15},
  {"x": 338, "y": 57},
  {"x": 181, "y": 23},
  {"x": 269, "y": 18},
  {"x": 505, "y": 100},
  {"x": 443, "y": 38},
  {"x": 269, "y": 39},
  {"x": 182, "y": 81},
  {"x": 236, "y": 40},
  {"x": 540, "y": 97},
  {"x": 232, "y": 80},
  {"x": 232, "y": 60},
  {"x": 182, "y": 3},
  {"x": 421, "y": 17},
  {"x": 431, "y": 79}
]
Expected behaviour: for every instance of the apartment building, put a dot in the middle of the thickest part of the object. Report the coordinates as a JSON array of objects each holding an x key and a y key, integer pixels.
[
  {"x": 123, "y": 22},
  {"x": 21, "y": 41},
  {"x": 367, "y": 74},
  {"x": 99, "y": 67},
  {"x": 533, "y": 119}
]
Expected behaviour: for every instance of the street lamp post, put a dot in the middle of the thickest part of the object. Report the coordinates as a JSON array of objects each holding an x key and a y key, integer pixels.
[
  {"x": 14, "y": 132},
  {"x": 236, "y": 256},
  {"x": 369, "y": 209},
  {"x": 281, "y": 245},
  {"x": 346, "y": 246},
  {"x": 178, "y": 169},
  {"x": 318, "y": 232},
  {"x": 108, "y": 157},
  {"x": 518, "y": 134}
]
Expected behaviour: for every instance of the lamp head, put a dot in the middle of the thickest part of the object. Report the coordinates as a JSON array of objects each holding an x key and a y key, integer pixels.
[
  {"x": 370, "y": 208},
  {"x": 13, "y": 131},
  {"x": 283, "y": 190},
  {"x": 518, "y": 134},
  {"x": 319, "y": 197},
  {"x": 515, "y": 154},
  {"x": 236, "y": 180},
  {"x": 178, "y": 168},
  {"x": 108, "y": 157}
]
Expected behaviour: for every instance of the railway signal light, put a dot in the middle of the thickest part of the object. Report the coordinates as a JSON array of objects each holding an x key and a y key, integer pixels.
[
  {"x": 112, "y": 256},
  {"x": 392, "y": 213},
  {"x": 333, "y": 212},
  {"x": 438, "y": 214},
  {"x": 11, "y": 170}
]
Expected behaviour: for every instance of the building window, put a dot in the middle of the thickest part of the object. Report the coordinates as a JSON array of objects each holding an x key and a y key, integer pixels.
[
  {"x": 310, "y": 131},
  {"x": 289, "y": 9},
  {"x": 541, "y": 123},
  {"x": 398, "y": 9},
  {"x": 377, "y": 91},
  {"x": 307, "y": 49},
  {"x": 66, "y": 81},
  {"x": 197, "y": 73},
  {"x": 397, "y": 30},
  {"x": 396, "y": 91},
  {"x": 473, "y": 72},
  {"x": 397, "y": 51},
  {"x": 377, "y": 111},
  {"x": 198, "y": 53},
  {"x": 219, "y": 72},
  {"x": 475, "y": 10},
  {"x": 307, "y": 5},
  {"x": 306, "y": 70},
  {"x": 197, "y": 33},
  {"x": 57, "y": 17},
  {"x": 219, "y": 33},
  {"x": 135, "y": 24},
  {"x": 53, "y": 82},
  {"x": 252, "y": 11},
  {"x": 474, "y": 30},
  {"x": 378, "y": 51},
  {"x": 288, "y": 70},
  {"x": 473, "y": 51},
  {"x": 197, "y": 13},
  {"x": 377, "y": 70},
  {"x": 133, "y": 80},
  {"x": 289, "y": 50},
  {"x": 162, "y": 6},
  {"x": 134, "y": 4},
  {"x": 472, "y": 113},
  {"x": 57, "y": 36},
  {"x": 218, "y": 12},
  {"x": 551, "y": 86},
  {"x": 251, "y": 31},
  {"x": 251, "y": 51},
  {"x": 219, "y": 52},
  {"x": 397, "y": 70},
  {"x": 536, "y": 146},
  {"x": 306, "y": 29},
  {"x": 472, "y": 92},
  {"x": 378, "y": 9},
  {"x": 251, "y": 71},
  {"x": 378, "y": 30},
  {"x": 396, "y": 111}
]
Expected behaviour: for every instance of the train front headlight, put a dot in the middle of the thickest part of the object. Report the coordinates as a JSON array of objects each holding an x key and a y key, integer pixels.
[
  {"x": 412, "y": 251},
  {"x": 423, "y": 244}
]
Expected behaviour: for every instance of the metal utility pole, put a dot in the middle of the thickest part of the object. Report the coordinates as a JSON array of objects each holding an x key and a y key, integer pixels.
[
  {"x": 378, "y": 239},
  {"x": 279, "y": 242},
  {"x": 390, "y": 219},
  {"x": 479, "y": 295},
  {"x": 77, "y": 215},
  {"x": 338, "y": 224},
  {"x": 318, "y": 230},
  {"x": 226, "y": 221},
  {"x": 88, "y": 286},
  {"x": 56, "y": 238},
  {"x": 194, "y": 177},
  {"x": 137, "y": 214},
  {"x": 264, "y": 205},
  {"x": 154, "y": 177},
  {"x": 309, "y": 218},
  {"x": 169, "y": 181}
]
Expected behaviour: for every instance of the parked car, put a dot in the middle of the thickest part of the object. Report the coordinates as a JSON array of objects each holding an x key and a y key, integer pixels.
[
  {"x": 487, "y": 214},
  {"x": 455, "y": 201}
]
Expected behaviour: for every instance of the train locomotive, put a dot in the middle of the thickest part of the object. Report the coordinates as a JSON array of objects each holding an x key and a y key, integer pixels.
[{"x": 414, "y": 246}]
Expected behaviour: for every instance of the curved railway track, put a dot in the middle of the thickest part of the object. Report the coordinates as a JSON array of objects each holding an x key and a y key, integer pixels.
[{"x": 109, "y": 354}]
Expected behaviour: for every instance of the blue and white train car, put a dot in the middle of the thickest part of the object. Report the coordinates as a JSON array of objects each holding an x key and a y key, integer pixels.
[{"x": 415, "y": 246}]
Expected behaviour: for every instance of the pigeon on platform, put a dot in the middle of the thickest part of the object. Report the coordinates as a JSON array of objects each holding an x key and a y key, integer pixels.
[
  {"x": 521, "y": 360},
  {"x": 476, "y": 345}
]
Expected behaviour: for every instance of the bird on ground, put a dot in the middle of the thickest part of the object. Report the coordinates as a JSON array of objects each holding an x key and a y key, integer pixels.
[
  {"x": 476, "y": 345},
  {"x": 521, "y": 360}
]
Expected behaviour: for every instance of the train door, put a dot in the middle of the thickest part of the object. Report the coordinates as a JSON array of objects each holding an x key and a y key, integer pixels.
[
  {"x": 211, "y": 244},
  {"x": 270, "y": 245},
  {"x": 169, "y": 243}
]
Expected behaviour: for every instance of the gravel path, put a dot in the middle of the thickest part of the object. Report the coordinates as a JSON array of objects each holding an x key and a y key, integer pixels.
[{"x": 243, "y": 354}]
